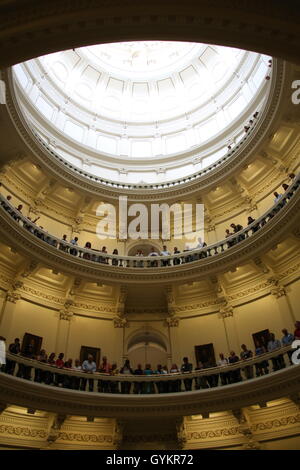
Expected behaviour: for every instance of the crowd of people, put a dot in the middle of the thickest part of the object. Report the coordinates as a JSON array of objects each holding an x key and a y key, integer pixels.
[
  {"x": 72, "y": 246},
  {"x": 89, "y": 366}
]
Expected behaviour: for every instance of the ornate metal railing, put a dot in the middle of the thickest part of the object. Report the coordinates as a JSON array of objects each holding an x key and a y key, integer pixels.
[
  {"x": 184, "y": 257},
  {"x": 205, "y": 378}
]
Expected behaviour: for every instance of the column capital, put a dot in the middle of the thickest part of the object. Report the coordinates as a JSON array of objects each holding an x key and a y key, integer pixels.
[
  {"x": 226, "y": 311},
  {"x": 65, "y": 314},
  {"x": 120, "y": 322},
  {"x": 12, "y": 297},
  {"x": 172, "y": 321}
]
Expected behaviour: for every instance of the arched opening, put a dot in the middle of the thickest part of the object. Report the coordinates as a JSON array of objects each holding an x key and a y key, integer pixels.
[{"x": 147, "y": 347}]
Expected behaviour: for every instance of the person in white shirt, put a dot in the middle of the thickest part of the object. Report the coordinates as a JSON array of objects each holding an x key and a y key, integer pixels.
[
  {"x": 140, "y": 254},
  {"x": 153, "y": 253},
  {"x": 165, "y": 252},
  {"x": 76, "y": 380},
  {"x": 2, "y": 351},
  {"x": 223, "y": 362},
  {"x": 201, "y": 244},
  {"x": 74, "y": 242},
  {"x": 277, "y": 197},
  {"x": 89, "y": 366}
]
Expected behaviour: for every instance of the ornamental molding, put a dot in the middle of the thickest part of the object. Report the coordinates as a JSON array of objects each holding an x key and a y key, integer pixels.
[
  {"x": 42, "y": 295},
  {"x": 153, "y": 311},
  {"x": 276, "y": 423},
  {"x": 214, "y": 434},
  {"x": 23, "y": 431},
  {"x": 96, "y": 308},
  {"x": 82, "y": 437}
]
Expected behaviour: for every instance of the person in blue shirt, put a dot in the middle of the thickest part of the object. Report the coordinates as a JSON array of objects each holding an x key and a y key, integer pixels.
[
  {"x": 273, "y": 344},
  {"x": 286, "y": 340}
]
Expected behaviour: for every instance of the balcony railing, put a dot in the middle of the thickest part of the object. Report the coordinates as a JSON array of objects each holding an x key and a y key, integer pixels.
[
  {"x": 205, "y": 378},
  {"x": 184, "y": 257},
  {"x": 162, "y": 185}
]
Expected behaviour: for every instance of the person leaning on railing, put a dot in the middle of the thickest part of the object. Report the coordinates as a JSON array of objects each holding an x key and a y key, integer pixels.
[
  {"x": 201, "y": 381},
  {"x": 148, "y": 386},
  {"x": 176, "y": 261},
  {"x": 212, "y": 379},
  {"x": 286, "y": 340},
  {"x": 59, "y": 363},
  {"x": 138, "y": 386},
  {"x": 13, "y": 348},
  {"x": 273, "y": 345},
  {"x": 115, "y": 261},
  {"x": 114, "y": 384},
  {"x": 24, "y": 371},
  {"x": 105, "y": 368},
  {"x": 247, "y": 354},
  {"x": 186, "y": 368},
  {"x": 235, "y": 375},
  {"x": 49, "y": 377},
  {"x": 74, "y": 242},
  {"x": 88, "y": 366},
  {"x": 262, "y": 368},
  {"x": 126, "y": 370},
  {"x": 174, "y": 385},
  {"x": 297, "y": 330},
  {"x": 76, "y": 380},
  {"x": 224, "y": 376},
  {"x": 39, "y": 232},
  {"x": 2, "y": 353},
  {"x": 39, "y": 374}
]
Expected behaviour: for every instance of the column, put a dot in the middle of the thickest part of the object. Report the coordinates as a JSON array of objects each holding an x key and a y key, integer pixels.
[
  {"x": 175, "y": 354},
  {"x": 120, "y": 323},
  {"x": 7, "y": 313},
  {"x": 232, "y": 339},
  {"x": 63, "y": 331}
]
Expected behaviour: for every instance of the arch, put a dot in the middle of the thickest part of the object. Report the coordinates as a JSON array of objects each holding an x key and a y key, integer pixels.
[
  {"x": 147, "y": 334},
  {"x": 144, "y": 246},
  {"x": 31, "y": 29}
]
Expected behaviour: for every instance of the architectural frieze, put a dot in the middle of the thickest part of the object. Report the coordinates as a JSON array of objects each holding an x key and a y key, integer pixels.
[
  {"x": 82, "y": 437},
  {"x": 276, "y": 423},
  {"x": 23, "y": 431}
]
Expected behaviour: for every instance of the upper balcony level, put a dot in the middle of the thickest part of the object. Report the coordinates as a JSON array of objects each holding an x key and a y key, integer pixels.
[
  {"x": 261, "y": 235},
  {"x": 242, "y": 149}
]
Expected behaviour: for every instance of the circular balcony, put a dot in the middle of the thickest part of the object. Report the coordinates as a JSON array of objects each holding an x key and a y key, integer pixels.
[
  {"x": 205, "y": 394},
  {"x": 261, "y": 235},
  {"x": 250, "y": 143}
]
